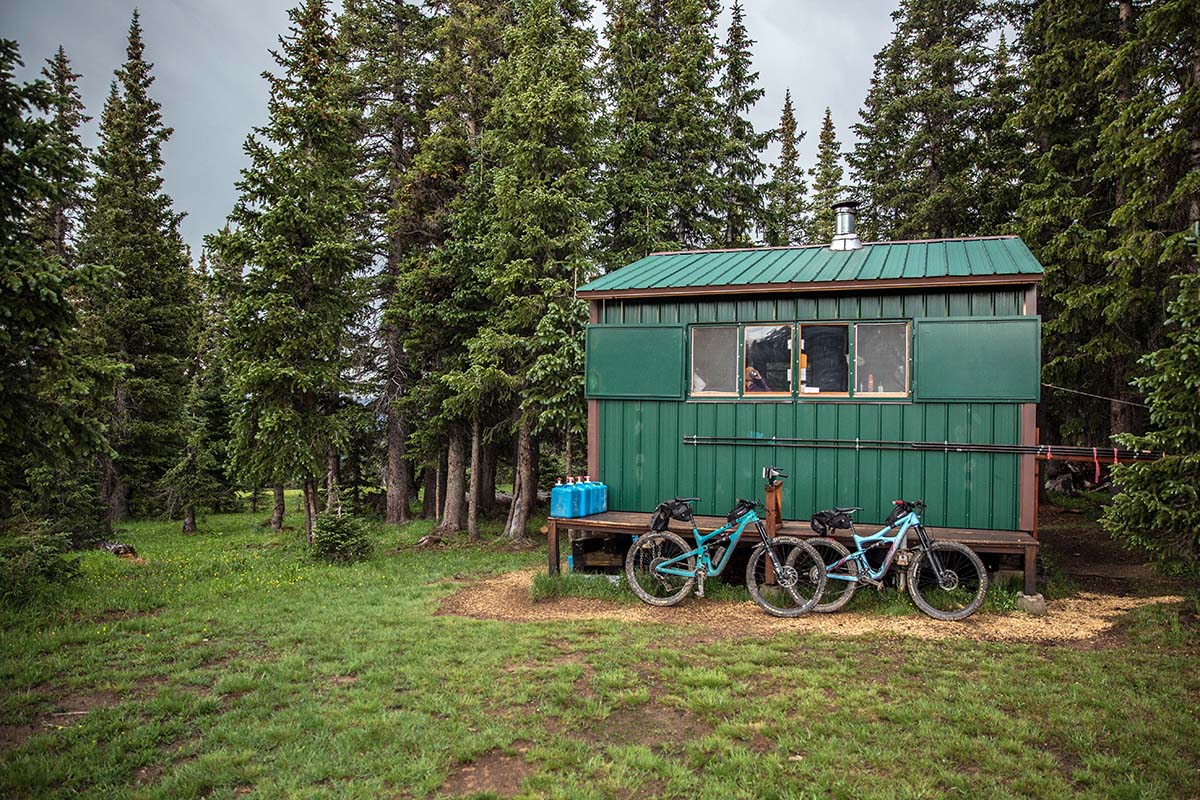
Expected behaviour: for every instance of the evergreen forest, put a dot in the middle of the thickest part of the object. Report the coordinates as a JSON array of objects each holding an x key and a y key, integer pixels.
[{"x": 387, "y": 322}]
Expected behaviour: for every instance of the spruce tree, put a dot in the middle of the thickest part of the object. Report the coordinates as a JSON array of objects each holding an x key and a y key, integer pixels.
[
  {"x": 142, "y": 319},
  {"x": 440, "y": 302},
  {"x": 917, "y": 162},
  {"x": 297, "y": 244},
  {"x": 199, "y": 478},
  {"x": 740, "y": 166},
  {"x": 541, "y": 141},
  {"x": 694, "y": 119},
  {"x": 635, "y": 130},
  {"x": 1066, "y": 205},
  {"x": 43, "y": 413},
  {"x": 1004, "y": 151},
  {"x": 827, "y": 184},
  {"x": 881, "y": 132},
  {"x": 1158, "y": 507},
  {"x": 390, "y": 42},
  {"x": 69, "y": 173},
  {"x": 786, "y": 212}
]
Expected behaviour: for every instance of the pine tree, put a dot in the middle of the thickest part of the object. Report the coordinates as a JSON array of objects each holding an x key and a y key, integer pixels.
[
  {"x": 881, "y": 133},
  {"x": 1004, "y": 154},
  {"x": 740, "y": 166},
  {"x": 826, "y": 183},
  {"x": 917, "y": 158},
  {"x": 199, "y": 477},
  {"x": 541, "y": 141},
  {"x": 693, "y": 116},
  {"x": 1158, "y": 507},
  {"x": 635, "y": 133},
  {"x": 296, "y": 241},
  {"x": 390, "y": 42},
  {"x": 1066, "y": 205},
  {"x": 786, "y": 213},
  {"x": 439, "y": 302},
  {"x": 68, "y": 175},
  {"x": 142, "y": 320},
  {"x": 43, "y": 413}
]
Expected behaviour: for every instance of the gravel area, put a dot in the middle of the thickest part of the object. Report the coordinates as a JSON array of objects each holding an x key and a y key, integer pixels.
[{"x": 1080, "y": 618}]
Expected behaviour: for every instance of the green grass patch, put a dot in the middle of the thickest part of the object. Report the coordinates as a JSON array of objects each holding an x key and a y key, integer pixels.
[{"x": 231, "y": 665}]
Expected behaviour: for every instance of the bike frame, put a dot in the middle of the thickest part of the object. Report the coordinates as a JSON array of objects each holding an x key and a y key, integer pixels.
[
  {"x": 701, "y": 549},
  {"x": 864, "y": 543}
]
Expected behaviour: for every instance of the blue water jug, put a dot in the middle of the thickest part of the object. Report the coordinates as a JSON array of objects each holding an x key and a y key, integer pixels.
[
  {"x": 575, "y": 493},
  {"x": 591, "y": 497},
  {"x": 602, "y": 498},
  {"x": 560, "y": 500}
]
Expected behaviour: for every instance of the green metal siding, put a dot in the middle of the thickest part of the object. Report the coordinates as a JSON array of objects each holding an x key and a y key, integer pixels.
[
  {"x": 819, "y": 264},
  {"x": 643, "y": 459}
]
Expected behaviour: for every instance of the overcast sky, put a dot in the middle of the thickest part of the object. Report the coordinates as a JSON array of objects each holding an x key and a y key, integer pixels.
[{"x": 208, "y": 56}]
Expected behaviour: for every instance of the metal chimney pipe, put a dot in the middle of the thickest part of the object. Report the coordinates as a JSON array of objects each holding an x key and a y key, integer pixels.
[{"x": 845, "y": 237}]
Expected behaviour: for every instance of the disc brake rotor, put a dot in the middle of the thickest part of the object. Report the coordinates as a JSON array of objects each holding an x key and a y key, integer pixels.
[{"x": 787, "y": 577}]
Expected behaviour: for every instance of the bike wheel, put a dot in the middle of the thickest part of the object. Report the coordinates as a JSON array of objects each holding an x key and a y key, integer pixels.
[
  {"x": 796, "y": 587},
  {"x": 654, "y": 587},
  {"x": 959, "y": 593},
  {"x": 837, "y": 591}
]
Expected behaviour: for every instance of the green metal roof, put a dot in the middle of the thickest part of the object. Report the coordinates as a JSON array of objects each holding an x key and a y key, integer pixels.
[{"x": 949, "y": 262}]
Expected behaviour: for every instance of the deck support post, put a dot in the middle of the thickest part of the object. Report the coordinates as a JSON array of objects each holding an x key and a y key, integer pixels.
[{"x": 552, "y": 546}]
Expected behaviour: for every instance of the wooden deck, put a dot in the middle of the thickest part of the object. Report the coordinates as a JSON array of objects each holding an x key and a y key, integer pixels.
[{"x": 628, "y": 523}]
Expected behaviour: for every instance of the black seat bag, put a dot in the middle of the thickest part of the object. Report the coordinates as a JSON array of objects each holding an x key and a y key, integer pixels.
[{"x": 825, "y": 522}]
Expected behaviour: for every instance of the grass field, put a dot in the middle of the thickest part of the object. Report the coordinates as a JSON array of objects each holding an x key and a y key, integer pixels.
[{"x": 228, "y": 665}]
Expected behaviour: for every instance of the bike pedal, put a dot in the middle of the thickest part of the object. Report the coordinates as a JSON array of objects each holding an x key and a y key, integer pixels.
[{"x": 700, "y": 584}]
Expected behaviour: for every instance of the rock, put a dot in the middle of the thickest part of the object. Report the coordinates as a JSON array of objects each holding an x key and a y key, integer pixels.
[
  {"x": 1033, "y": 604},
  {"x": 117, "y": 549}
]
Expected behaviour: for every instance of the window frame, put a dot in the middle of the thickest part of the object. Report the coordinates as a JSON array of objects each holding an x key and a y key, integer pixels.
[
  {"x": 737, "y": 377},
  {"x": 847, "y": 324},
  {"x": 793, "y": 359},
  {"x": 908, "y": 334},
  {"x": 796, "y": 394}
]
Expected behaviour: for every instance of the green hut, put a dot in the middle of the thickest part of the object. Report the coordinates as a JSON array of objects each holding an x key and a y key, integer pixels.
[{"x": 846, "y": 347}]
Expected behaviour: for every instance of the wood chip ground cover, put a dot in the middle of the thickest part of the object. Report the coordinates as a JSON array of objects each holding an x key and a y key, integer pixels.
[{"x": 1082, "y": 617}]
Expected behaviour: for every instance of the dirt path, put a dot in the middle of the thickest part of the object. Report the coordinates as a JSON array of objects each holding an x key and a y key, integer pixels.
[{"x": 1084, "y": 616}]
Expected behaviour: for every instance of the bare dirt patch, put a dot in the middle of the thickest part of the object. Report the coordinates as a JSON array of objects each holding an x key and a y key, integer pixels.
[
  {"x": 1084, "y": 616},
  {"x": 68, "y": 711},
  {"x": 648, "y": 724},
  {"x": 494, "y": 772}
]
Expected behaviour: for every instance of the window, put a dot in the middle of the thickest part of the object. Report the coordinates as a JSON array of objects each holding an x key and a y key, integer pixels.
[
  {"x": 837, "y": 360},
  {"x": 824, "y": 359},
  {"x": 715, "y": 360},
  {"x": 881, "y": 359},
  {"x": 768, "y": 363}
]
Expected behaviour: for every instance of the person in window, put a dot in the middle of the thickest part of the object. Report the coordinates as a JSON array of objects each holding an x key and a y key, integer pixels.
[{"x": 755, "y": 382}]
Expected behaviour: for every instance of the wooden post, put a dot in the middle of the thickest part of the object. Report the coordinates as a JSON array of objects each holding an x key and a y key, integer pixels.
[{"x": 552, "y": 545}]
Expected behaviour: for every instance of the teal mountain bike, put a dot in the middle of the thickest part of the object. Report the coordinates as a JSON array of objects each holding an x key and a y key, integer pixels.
[
  {"x": 945, "y": 579},
  {"x": 785, "y": 575}
]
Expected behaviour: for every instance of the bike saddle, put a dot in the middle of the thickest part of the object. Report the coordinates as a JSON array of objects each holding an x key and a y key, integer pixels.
[{"x": 847, "y": 510}]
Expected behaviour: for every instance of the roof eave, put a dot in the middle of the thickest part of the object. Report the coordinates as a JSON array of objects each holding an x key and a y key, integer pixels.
[{"x": 941, "y": 282}]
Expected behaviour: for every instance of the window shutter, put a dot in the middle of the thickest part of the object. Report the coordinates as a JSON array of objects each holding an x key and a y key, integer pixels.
[
  {"x": 978, "y": 358},
  {"x": 635, "y": 361}
]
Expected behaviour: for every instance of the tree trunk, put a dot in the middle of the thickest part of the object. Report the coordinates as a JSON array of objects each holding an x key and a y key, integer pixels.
[
  {"x": 280, "y": 507},
  {"x": 439, "y": 487},
  {"x": 476, "y": 486},
  {"x": 189, "y": 519},
  {"x": 254, "y": 499},
  {"x": 525, "y": 495},
  {"x": 454, "y": 510},
  {"x": 428, "y": 492},
  {"x": 332, "y": 470},
  {"x": 399, "y": 477},
  {"x": 487, "y": 478},
  {"x": 310, "y": 507},
  {"x": 114, "y": 491}
]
